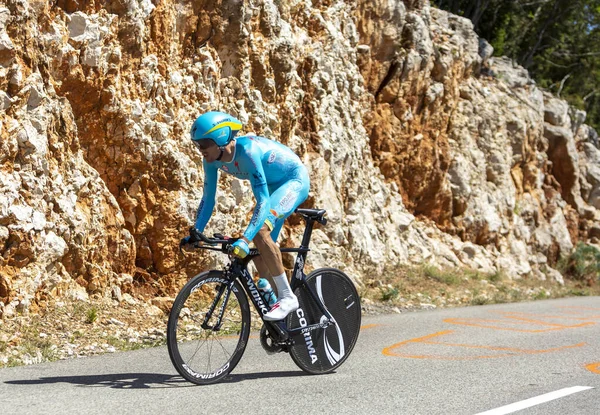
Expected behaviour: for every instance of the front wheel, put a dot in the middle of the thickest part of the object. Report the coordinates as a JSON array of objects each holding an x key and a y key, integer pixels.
[
  {"x": 208, "y": 328},
  {"x": 323, "y": 350}
]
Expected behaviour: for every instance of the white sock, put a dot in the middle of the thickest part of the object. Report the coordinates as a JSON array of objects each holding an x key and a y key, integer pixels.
[
  {"x": 283, "y": 287},
  {"x": 286, "y": 300}
]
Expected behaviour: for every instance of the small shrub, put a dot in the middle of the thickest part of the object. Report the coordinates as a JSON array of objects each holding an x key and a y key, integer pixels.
[
  {"x": 516, "y": 295},
  {"x": 517, "y": 209},
  {"x": 13, "y": 362},
  {"x": 473, "y": 275},
  {"x": 584, "y": 263},
  {"x": 445, "y": 276},
  {"x": 496, "y": 276},
  {"x": 388, "y": 294},
  {"x": 562, "y": 264},
  {"x": 480, "y": 300},
  {"x": 579, "y": 292},
  {"x": 503, "y": 289},
  {"x": 500, "y": 298},
  {"x": 91, "y": 315}
]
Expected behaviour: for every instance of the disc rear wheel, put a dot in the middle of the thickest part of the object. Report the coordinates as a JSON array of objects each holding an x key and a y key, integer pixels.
[{"x": 325, "y": 349}]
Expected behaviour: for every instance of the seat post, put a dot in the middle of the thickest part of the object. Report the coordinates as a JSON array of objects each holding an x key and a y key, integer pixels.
[{"x": 307, "y": 232}]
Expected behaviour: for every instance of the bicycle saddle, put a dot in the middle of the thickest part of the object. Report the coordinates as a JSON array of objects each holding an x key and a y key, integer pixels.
[{"x": 315, "y": 214}]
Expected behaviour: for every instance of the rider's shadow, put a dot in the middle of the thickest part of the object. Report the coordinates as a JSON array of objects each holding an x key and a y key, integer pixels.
[
  {"x": 146, "y": 380},
  {"x": 117, "y": 381}
]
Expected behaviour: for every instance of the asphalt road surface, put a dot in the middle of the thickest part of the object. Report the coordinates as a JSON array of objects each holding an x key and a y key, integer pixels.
[{"x": 536, "y": 358}]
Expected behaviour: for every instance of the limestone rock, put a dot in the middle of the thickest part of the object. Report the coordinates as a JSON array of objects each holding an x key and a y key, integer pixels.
[
  {"x": 556, "y": 111},
  {"x": 417, "y": 153},
  {"x": 485, "y": 50}
]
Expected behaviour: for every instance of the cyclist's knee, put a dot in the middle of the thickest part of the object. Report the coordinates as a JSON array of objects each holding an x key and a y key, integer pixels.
[{"x": 263, "y": 237}]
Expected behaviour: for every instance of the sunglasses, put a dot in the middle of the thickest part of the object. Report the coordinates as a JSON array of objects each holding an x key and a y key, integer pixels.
[{"x": 203, "y": 144}]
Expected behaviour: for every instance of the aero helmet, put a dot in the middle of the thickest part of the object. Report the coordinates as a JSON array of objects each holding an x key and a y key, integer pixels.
[{"x": 216, "y": 126}]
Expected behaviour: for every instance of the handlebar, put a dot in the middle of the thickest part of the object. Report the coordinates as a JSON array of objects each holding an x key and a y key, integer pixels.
[
  {"x": 197, "y": 237},
  {"x": 218, "y": 238}
]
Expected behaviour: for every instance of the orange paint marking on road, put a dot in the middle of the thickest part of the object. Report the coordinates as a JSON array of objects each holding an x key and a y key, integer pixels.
[
  {"x": 510, "y": 349},
  {"x": 593, "y": 367},
  {"x": 569, "y": 316},
  {"x": 515, "y": 316},
  {"x": 480, "y": 323},
  {"x": 579, "y": 307},
  {"x": 369, "y": 326},
  {"x": 389, "y": 351},
  {"x": 580, "y": 311},
  {"x": 513, "y": 319}
]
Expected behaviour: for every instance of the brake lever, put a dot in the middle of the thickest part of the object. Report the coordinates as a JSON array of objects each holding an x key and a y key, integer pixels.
[
  {"x": 181, "y": 244},
  {"x": 197, "y": 236}
]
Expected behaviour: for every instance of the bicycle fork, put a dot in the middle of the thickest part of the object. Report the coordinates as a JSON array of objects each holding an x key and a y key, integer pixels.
[{"x": 222, "y": 288}]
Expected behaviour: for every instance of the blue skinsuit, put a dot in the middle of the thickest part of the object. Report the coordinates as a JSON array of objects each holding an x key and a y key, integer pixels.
[{"x": 279, "y": 181}]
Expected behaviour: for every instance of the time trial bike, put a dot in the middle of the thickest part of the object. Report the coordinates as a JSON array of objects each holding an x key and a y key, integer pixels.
[{"x": 210, "y": 321}]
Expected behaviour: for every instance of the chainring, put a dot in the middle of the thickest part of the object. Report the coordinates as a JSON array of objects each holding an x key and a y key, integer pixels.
[{"x": 267, "y": 342}]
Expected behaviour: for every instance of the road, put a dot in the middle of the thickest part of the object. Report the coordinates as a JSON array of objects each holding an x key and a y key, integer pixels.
[{"x": 543, "y": 356}]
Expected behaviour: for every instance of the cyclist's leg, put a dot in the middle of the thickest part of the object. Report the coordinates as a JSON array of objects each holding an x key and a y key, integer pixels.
[
  {"x": 264, "y": 246},
  {"x": 267, "y": 247},
  {"x": 283, "y": 202}
]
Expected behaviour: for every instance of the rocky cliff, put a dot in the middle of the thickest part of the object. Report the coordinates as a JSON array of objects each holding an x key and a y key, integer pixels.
[{"x": 421, "y": 146}]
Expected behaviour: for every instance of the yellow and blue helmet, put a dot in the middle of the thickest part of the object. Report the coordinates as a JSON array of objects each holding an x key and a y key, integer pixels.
[{"x": 216, "y": 126}]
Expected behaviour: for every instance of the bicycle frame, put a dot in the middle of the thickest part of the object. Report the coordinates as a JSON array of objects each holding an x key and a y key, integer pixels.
[{"x": 238, "y": 271}]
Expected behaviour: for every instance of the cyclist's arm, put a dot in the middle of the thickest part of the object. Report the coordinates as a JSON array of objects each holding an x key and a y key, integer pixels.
[
  {"x": 258, "y": 182},
  {"x": 208, "y": 198}
]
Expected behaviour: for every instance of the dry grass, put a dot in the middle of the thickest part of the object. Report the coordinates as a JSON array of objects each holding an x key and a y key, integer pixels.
[{"x": 414, "y": 286}]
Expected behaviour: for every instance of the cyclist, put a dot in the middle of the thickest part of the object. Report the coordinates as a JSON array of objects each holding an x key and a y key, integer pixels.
[{"x": 279, "y": 181}]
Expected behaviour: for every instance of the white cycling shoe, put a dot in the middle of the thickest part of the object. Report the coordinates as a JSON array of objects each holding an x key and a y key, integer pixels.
[{"x": 282, "y": 308}]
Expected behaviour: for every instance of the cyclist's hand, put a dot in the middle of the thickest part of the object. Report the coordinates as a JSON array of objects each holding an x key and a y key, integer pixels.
[
  {"x": 190, "y": 239},
  {"x": 240, "y": 248},
  {"x": 185, "y": 241}
]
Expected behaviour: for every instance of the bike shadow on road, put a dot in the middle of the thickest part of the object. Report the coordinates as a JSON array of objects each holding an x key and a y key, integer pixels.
[
  {"x": 239, "y": 377},
  {"x": 117, "y": 381},
  {"x": 146, "y": 380}
]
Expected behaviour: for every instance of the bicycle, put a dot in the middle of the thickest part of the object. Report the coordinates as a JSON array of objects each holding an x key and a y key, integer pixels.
[{"x": 209, "y": 323}]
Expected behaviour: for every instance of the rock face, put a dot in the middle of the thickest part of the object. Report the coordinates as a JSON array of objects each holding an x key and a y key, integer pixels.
[{"x": 421, "y": 146}]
